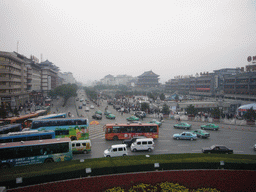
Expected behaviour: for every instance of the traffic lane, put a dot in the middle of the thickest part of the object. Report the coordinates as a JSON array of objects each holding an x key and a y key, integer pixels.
[{"x": 240, "y": 141}]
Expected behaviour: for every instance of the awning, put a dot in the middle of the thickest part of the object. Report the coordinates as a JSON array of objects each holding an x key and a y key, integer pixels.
[{"x": 246, "y": 107}]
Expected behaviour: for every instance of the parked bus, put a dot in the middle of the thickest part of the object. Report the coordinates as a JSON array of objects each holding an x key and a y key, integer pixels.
[
  {"x": 20, "y": 119},
  {"x": 48, "y": 110},
  {"x": 28, "y": 123},
  {"x": 26, "y": 136},
  {"x": 41, "y": 112},
  {"x": 10, "y": 128},
  {"x": 48, "y": 102},
  {"x": 74, "y": 128},
  {"x": 34, "y": 152},
  {"x": 121, "y": 131}
]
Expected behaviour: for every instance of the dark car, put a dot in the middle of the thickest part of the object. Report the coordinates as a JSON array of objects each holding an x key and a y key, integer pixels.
[
  {"x": 97, "y": 116},
  {"x": 128, "y": 142},
  {"x": 140, "y": 114},
  {"x": 217, "y": 149}
]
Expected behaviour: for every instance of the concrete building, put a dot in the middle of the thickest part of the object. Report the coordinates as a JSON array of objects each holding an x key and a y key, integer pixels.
[
  {"x": 13, "y": 80},
  {"x": 118, "y": 80},
  {"x": 67, "y": 78},
  {"x": 233, "y": 83},
  {"x": 49, "y": 76}
]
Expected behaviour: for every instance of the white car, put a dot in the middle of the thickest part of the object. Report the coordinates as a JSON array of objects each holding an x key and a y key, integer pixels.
[
  {"x": 92, "y": 107},
  {"x": 116, "y": 150},
  {"x": 87, "y": 109}
]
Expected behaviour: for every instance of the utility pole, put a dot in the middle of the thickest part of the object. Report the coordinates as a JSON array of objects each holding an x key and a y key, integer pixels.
[{"x": 17, "y": 46}]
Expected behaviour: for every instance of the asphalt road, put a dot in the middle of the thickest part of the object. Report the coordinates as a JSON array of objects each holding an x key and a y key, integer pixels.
[{"x": 240, "y": 139}]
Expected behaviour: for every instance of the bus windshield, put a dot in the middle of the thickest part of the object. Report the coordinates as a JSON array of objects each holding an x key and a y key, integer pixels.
[{"x": 127, "y": 131}]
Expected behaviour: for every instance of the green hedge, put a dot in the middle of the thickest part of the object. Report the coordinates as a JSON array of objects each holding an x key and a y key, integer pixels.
[{"x": 103, "y": 166}]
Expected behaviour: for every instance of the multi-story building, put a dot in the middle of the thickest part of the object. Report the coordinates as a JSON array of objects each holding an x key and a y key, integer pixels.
[
  {"x": 67, "y": 78},
  {"x": 147, "y": 80},
  {"x": 228, "y": 83},
  {"x": 118, "y": 80},
  {"x": 49, "y": 76},
  {"x": 240, "y": 86},
  {"x": 13, "y": 80}
]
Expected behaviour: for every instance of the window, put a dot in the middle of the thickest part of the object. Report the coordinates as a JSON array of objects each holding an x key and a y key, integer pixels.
[
  {"x": 150, "y": 142},
  {"x": 61, "y": 132},
  {"x": 46, "y": 137},
  {"x": 78, "y": 144},
  {"x": 144, "y": 142},
  {"x": 120, "y": 149},
  {"x": 114, "y": 149},
  {"x": 84, "y": 144},
  {"x": 138, "y": 143}
]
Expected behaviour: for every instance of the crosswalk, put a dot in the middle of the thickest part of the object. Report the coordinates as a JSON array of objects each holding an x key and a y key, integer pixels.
[{"x": 96, "y": 132}]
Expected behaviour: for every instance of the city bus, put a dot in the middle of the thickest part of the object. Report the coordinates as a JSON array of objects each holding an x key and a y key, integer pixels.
[
  {"x": 20, "y": 119},
  {"x": 48, "y": 110},
  {"x": 34, "y": 152},
  {"x": 48, "y": 102},
  {"x": 122, "y": 131},
  {"x": 74, "y": 128},
  {"x": 28, "y": 122},
  {"x": 26, "y": 136},
  {"x": 4, "y": 129},
  {"x": 41, "y": 112}
]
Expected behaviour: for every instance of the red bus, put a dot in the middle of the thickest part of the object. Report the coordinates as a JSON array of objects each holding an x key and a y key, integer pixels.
[
  {"x": 121, "y": 131},
  {"x": 48, "y": 102}
]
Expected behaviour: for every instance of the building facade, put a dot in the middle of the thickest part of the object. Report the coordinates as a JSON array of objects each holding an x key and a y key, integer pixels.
[
  {"x": 49, "y": 76},
  {"x": 13, "y": 80},
  {"x": 148, "y": 79},
  {"x": 234, "y": 83}
]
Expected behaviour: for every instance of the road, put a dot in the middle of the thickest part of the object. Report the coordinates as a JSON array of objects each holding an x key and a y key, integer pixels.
[{"x": 240, "y": 139}]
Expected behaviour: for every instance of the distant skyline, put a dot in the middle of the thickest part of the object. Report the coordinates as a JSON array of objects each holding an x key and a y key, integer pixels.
[{"x": 92, "y": 39}]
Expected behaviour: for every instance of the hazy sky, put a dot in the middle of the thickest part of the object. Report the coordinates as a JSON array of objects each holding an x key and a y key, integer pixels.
[{"x": 94, "y": 38}]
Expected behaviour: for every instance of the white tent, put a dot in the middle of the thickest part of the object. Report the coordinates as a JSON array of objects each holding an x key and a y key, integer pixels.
[{"x": 246, "y": 107}]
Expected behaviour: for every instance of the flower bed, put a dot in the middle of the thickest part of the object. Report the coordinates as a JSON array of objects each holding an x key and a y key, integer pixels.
[
  {"x": 163, "y": 187},
  {"x": 223, "y": 180}
]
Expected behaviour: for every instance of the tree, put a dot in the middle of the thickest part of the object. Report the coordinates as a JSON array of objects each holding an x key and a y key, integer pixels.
[
  {"x": 16, "y": 112},
  {"x": 162, "y": 96},
  {"x": 250, "y": 114},
  {"x": 144, "y": 106},
  {"x": 66, "y": 91},
  {"x": 216, "y": 113},
  {"x": 191, "y": 110},
  {"x": 165, "y": 110},
  {"x": 3, "y": 112}
]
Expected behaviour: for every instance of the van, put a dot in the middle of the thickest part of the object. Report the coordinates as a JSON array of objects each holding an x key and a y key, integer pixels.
[
  {"x": 116, "y": 150},
  {"x": 143, "y": 144},
  {"x": 81, "y": 146}
]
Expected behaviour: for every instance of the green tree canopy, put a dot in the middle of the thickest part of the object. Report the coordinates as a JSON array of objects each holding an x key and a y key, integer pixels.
[
  {"x": 144, "y": 106},
  {"x": 216, "y": 113},
  {"x": 165, "y": 110},
  {"x": 162, "y": 96},
  {"x": 191, "y": 110},
  {"x": 66, "y": 91},
  {"x": 250, "y": 114}
]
